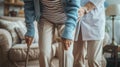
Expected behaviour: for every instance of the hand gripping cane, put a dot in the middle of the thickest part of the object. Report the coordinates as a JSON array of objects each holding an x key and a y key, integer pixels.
[{"x": 27, "y": 54}]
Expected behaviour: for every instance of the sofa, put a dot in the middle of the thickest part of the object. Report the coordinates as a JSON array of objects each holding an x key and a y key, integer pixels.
[{"x": 13, "y": 47}]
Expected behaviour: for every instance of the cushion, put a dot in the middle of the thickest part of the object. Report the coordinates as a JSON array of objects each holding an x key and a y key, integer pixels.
[
  {"x": 18, "y": 52},
  {"x": 16, "y": 27},
  {"x": 21, "y": 34},
  {"x": 10, "y": 25},
  {"x": 21, "y": 30}
]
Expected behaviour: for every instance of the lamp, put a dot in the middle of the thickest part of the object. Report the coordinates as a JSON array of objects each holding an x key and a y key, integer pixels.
[{"x": 113, "y": 11}]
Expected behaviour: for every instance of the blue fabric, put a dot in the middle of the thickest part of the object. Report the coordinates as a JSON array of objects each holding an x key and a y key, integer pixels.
[
  {"x": 29, "y": 17},
  {"x": 72, "y": 16},
  {"x": 71, "y": 10}
]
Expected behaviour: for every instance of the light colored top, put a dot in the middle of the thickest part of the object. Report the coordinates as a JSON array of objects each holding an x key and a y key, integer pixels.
[{"x": 93, "y": 23}]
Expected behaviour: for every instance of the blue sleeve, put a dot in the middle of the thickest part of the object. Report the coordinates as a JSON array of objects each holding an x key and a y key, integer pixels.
[
  {"x": 71, "y": 9},
  {"x": 29, "y": 17}
]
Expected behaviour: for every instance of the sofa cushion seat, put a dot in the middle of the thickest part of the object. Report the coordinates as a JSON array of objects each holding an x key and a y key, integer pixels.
[{"x": 18, "y": 52}]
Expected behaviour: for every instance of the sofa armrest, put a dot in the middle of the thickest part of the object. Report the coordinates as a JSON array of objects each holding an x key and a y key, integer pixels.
[{"x": 5, "y": 45}]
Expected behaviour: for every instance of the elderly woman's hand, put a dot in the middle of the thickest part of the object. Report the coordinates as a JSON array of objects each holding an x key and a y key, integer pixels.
[
  {"x": 28, "y": 40},
  {"x": 66, "y": 43}
]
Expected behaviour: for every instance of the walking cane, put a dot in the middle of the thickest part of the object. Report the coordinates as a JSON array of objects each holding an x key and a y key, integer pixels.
[
  {"x": 28, "y": 41},
  {"x": 77, "y": 28},
  {"x": 76, "y": 37},
  {"x": 62, "y": 57},
  {"x": 27, "y": 55}
]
